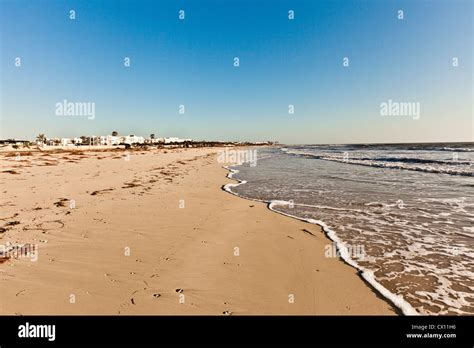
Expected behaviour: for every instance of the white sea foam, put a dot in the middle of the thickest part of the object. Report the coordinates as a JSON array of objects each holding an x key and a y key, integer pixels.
[
  {"x": 365, "y": 273},
  {"x": 458, "y": 149},
  {"x": 227, "y": 187},
  {"x": 428, "y": 163}
]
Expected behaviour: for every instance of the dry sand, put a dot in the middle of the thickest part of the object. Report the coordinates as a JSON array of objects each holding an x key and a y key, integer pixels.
[{"x": 113, "y": 237}]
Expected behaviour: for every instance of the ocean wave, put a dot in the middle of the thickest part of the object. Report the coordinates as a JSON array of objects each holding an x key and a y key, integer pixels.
[
  {"x": 460, "y": 167},
  {"x": 457, "y": 149},
  {"x": 460, "y": 147}
]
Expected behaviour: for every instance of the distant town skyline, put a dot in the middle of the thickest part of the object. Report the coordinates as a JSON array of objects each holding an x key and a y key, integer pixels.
[{"x": 292, "y": 71}]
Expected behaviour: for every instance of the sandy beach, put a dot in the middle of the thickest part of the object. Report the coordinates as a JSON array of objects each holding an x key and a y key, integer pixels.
[{"x": 152, "y": 232}]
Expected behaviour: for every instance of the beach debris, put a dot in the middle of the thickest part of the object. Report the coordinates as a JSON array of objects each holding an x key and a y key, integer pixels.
[
  {"x": 135, "y": 183},
  {"x": 308, "y": 232},
  {"x": 61, "y": 202},
  {"x": 132, "y": 300},
  {"x": 156, "y": 295},
  {"x": 179, "y": 291},
  {"x": 227, "y": 313},
  {"x": 20, "y": 292},
  {"x": 94, "y": 193},
  {"x": 9, "y": 217},
  {"x": 50, "y": 225}
]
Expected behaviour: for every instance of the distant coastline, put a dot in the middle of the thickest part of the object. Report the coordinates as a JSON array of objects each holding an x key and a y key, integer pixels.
[{"x": 115, "y": 141}]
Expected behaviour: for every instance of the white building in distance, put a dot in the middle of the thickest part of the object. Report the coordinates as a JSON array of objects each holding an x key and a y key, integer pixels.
[
  {"x": 176, "y": 140},
  {"x": 66, "y": 142},
  {"x": 133, "y": 139},
  {"x": 110, "y": 140}
]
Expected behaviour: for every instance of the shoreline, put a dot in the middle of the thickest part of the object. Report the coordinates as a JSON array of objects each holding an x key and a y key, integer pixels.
[
  {"x": 402, "y": 307},
  {"x": 175, "y": 251}
]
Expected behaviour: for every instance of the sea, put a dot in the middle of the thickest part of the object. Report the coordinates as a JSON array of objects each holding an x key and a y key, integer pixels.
[{"x": 402, "y": 214}]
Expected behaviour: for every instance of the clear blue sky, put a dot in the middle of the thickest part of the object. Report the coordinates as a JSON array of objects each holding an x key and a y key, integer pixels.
[{"x": 283, "y": 62}]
